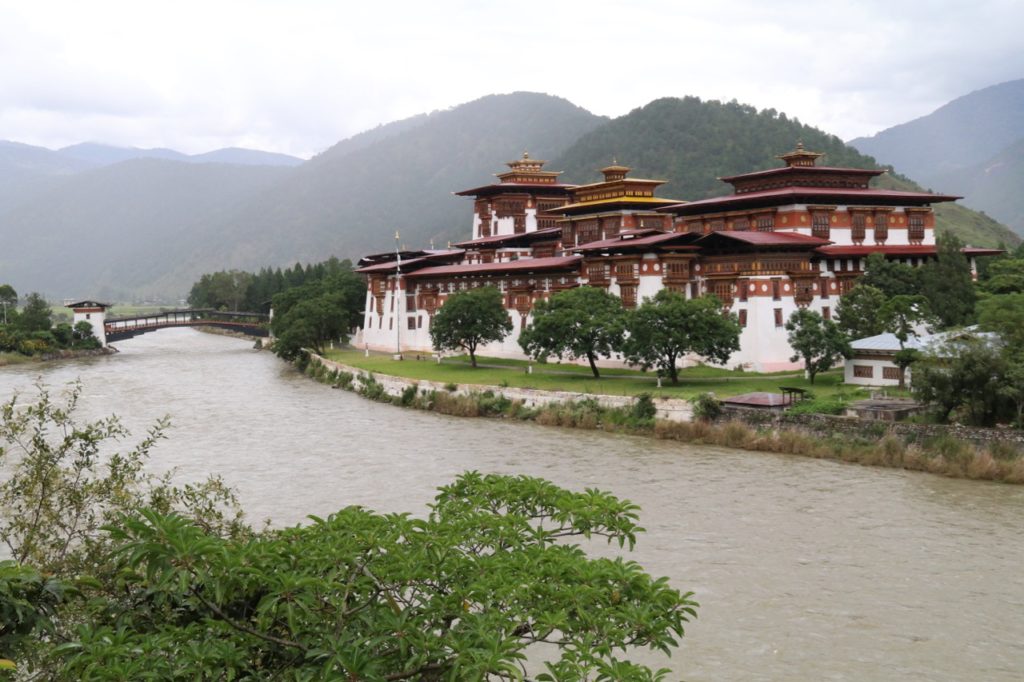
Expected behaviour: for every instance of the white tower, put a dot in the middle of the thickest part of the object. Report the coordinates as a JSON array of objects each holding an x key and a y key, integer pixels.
[{"x": 93, "y": 312}]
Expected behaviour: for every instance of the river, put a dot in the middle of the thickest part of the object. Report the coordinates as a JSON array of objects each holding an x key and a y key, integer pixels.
[{"x": 804, "y": 569}]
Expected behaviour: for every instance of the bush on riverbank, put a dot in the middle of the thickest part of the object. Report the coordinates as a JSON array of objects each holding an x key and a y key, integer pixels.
[{"x": 944, "y": 455}]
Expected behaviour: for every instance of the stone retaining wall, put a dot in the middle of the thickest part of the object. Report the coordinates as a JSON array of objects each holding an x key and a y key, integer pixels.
[
  {"x": 828, "y": 425},
  {"x": 668, "y": 408}
]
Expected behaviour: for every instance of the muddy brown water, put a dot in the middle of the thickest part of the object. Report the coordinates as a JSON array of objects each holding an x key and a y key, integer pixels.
[{"x": 804, "y": 569}]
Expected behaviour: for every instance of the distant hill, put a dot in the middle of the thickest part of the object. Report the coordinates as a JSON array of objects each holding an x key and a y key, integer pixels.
[
  {"x": 351, "y": 199},
  {"x": 25, "y": 169},
  {"x": 691, "y": 143},
  {"x": 97, "y": 154},
  {"x": 994, "y": 185},
  {"x": 104, "y": 155},
  {"x": 973, "y": 146},
  {"x": 965, "y": 132},
  {"x": 110, "y": 232}
]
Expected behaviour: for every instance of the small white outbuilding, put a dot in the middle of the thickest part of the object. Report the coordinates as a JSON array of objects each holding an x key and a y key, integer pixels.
[{"x": 871, "y": 363}]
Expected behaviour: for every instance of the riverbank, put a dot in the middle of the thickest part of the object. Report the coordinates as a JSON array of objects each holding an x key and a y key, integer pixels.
[
  {"x": 867, "y": 443},
  {"x": 8, "y": 359}
]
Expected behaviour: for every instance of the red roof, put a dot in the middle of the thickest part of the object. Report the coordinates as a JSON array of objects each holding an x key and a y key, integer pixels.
[
  {"x": 419, "y": 261},
  {"x": 900, "y": 250},
  {"x": 976, "y": 251},
  {"x": 499, "y": 238},
  {"x": 767, "y": 238},
  {"x": 514, "y": 186},
  {"x": 793, "y": 193},
  {"x": 521, "y": 265},
  {"x": 630, "y": 242},
  {"x": 825, "y": 170},
  {"x": 893, "y": 250}
]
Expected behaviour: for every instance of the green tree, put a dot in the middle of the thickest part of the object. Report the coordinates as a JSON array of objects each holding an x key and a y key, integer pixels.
[
  {"x": 901, "y": 315},
  {"x": 966, "y": 374},
  {"x": 1004, "y": 314},
  {"x": 892, "y": 278},
  {"x": 311, "y": 323},
  {"x": 585, "y": 322},
  {"x": 35, "y": 315},
  {"x": 667, "y": 327},
  {"x": 83, "y": 335},
  {"x": 8, "y": 300},
  {"x": 316, "y": 313},
  {"x": 459, "y": 595},
  {"x": 859, "y": 313},
  {"x": 946, "y": 283},
  {"x": 819, "y": 342},
  {"x": 1004, "y": 276},
  {"x": 469, "y": 319},
  {"x": 62, "y": 483}
]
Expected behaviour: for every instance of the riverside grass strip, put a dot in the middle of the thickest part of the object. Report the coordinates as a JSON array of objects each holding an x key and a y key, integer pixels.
[
  {"x": 577, "y": 379},
  {"x": 946, "y": 455}
]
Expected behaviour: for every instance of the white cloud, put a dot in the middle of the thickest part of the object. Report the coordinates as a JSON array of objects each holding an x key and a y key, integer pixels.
[{"x": 298, "y": 76}]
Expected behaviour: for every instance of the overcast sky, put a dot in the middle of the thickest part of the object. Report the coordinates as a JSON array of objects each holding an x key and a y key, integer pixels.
[{"x": 296, "y": 76}]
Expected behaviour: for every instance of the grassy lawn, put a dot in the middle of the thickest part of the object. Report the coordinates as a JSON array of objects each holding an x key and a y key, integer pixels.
[{"x": 565, "y": 377}]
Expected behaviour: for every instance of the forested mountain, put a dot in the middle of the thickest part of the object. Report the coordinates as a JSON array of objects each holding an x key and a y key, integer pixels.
[
  {"x": 146, "y": 227},
  {"x": 691, "y": 143},
  {"x": 351, "y": 199},
  {"x": 973, "y": 146}
]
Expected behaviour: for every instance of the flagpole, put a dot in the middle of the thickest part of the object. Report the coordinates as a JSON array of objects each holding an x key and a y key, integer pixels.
[{"x": 398, "y": 300}]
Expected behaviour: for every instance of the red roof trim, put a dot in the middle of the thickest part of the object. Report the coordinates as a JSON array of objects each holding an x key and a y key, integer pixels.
[
  {"x": 618, "y": 243},
  {"x": 419, "y": 261},
  {"x": 767, "y": 238},
  {"x": 497, "y": 239},
  {"x": 824, "y": 170},
  {"x": 491, "y": 189},
  {"x": 523, "y": 265},
  {"x": 793, "y": 192},
  {"x": 893, "y": 250}
]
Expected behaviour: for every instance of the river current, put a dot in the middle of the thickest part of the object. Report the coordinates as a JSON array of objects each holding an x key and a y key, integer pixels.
[{"x": 804, "y": 569}]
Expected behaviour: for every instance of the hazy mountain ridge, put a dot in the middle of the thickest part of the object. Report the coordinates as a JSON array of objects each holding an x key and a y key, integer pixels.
[
  {"x": 351, "y": 199},
  {"x": 111, "y": 231},
  {"x": 151, "y": 227},
  {"x": 972, "y": 146},
  {"x": 993, "y": 186},
  {"x": 964, "y": 132}
]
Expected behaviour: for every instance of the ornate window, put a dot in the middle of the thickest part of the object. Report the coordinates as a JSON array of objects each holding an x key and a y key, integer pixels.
[
  {"x": 588, "y": 231},
  {"x": 778, "y": 317},
  {"x": 765, "y": 223},
  {"x": 741, "y": 224},
  {"x": 743, "y": 318},
  {"x": 652, "y": 222},
  {"x": 611, "y": 226},
  {"x": 881, "y": 227},
  {"x": 858, "y": 227},
  {"x": 820, "y": 224},
  {"x": 864, "y": 371},
  {"x": 628, "y": 295},
  {"x": 891, "y": 373},
  {"x": 915, "y": 227}
]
